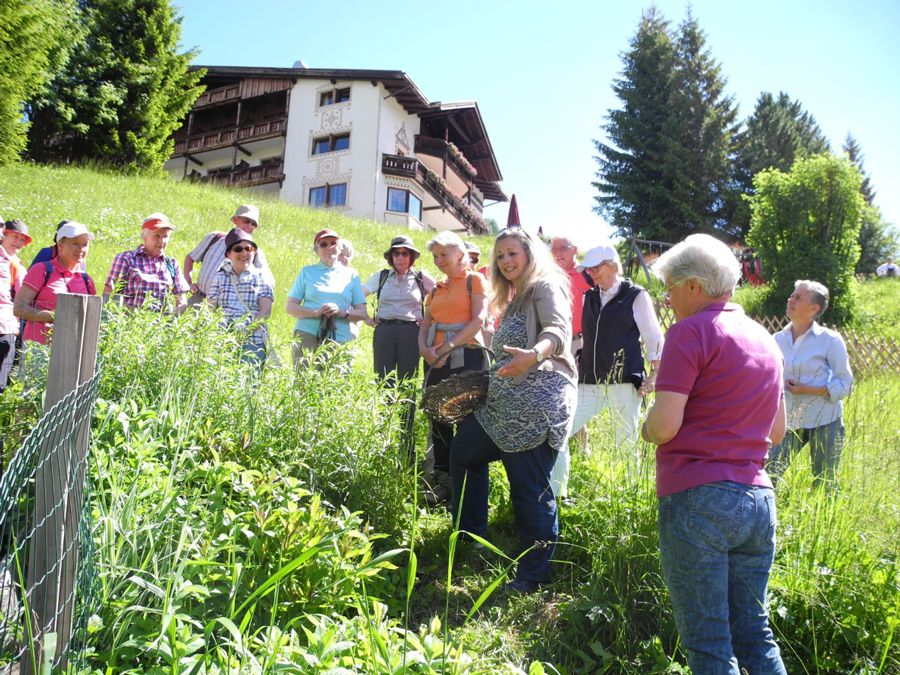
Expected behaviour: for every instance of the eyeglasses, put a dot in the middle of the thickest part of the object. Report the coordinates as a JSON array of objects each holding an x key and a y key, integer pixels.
[
  {"x": 596, "y": 268},
  {"x": 249, "y": 221},
  {"x": 241, "y": 249},
  {"x": 400, "y": 254},
  {"x": 668, "y": 291},
  {"x": 560, "y": 249},
  {"x": 473, "y": 260},
  {"x": 327, "y": 244}
]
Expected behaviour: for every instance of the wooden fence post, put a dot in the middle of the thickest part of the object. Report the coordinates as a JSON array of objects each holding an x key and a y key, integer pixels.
[{"x": 59, "y": 479}]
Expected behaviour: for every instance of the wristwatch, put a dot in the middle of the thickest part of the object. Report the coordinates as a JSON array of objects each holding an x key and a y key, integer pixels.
[
  {"x": 449, "y": 342},
  {"x": 538, "y": 354}
]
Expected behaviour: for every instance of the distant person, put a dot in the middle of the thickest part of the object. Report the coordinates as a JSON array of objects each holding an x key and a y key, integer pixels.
[
  {"x": 211, "y": 253},
  {"x": 146, "y": 277},
  {"x": 36, "y": 300},
  {"x": 324, "y": 299},
  {"x": 400, "y": 292},
  {"x": 49, "y": 252},
  {"x": 474, "y": 253},
  {"x": 817, "y": 378},
  {"x": 244, "y": 296},
  {"x": 718, "y": 405},
  {"x": 889, "y": 269},
  {"x": 13, "y": 239}
]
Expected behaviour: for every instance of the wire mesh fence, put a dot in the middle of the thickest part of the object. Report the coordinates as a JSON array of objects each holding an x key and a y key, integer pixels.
[{"x": 48, "y": 581}]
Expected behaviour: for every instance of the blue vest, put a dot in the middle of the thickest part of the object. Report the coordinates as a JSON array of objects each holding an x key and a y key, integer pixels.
[{"x": 612, "y": 342}]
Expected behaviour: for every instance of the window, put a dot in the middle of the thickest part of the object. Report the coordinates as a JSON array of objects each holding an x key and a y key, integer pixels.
[
  {"x": 328, "y": 195},
  {"x": 405, "y": 202},
  {"x": 334, "y": 96},
  {"x": 331, "y": 144}
]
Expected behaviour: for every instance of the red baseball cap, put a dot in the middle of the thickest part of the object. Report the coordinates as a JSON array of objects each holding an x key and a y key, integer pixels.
[
  {"x": 325, "y": 233},
  {"x": 156, "y": 221}
]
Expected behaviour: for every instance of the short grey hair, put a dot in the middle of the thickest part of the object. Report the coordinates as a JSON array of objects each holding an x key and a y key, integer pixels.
[
  {"x": 703, "y": 258},
  {"x": 345, "y": 247},
  {"x": 446, "y": 239},
  {"x": 817, "y": 293}
]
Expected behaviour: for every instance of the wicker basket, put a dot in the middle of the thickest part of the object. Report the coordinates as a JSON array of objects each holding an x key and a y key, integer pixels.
[{"x": 449, "y": 401}]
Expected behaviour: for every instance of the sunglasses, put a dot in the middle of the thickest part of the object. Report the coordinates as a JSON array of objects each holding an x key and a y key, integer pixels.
[
  {"x": 400, "y": 254},
  {"x": 241, "y": 249},
  {"x": 249, "y": 221},
  {"x": 326, "y": 244}
]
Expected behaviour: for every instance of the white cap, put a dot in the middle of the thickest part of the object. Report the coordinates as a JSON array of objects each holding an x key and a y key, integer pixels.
[
  {"x": 73, "y": 229},
  {"x": 599, "y": 254}
]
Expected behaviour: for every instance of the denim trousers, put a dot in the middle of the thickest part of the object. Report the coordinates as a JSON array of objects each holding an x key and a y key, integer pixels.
[
  {"x": 717, "y": 544},
  {"x": 534, "y": 505},
  {"x": 825, "y": 444}
]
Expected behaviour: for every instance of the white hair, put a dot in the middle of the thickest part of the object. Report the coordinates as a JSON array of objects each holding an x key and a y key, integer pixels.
[
  {"x": 703, "y": 258},
  {"x": 817, "y": 293},
  {"x": 447, "y": 239}
]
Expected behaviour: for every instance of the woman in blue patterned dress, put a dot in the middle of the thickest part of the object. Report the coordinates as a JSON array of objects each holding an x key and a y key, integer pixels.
[
  {"x": 245, "y": 297},
  {"x": 531, "y": 399}
]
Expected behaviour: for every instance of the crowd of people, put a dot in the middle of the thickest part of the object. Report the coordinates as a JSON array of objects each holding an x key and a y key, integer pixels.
[{"x": 568, "y": 340}]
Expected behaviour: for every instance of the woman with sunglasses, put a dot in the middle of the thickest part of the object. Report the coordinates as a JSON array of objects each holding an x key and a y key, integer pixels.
[
  {"x": 617, "y": 316},
  {"x": 324, "y": 299},
  {"x": 240, "y": 289},
  {"x": 400, "y": 292}
]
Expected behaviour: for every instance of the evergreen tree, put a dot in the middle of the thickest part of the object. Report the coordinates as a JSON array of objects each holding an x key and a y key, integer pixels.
[
  {"x": 700, "y": 132},
  {"x": 855, "y": 155},
  {"x": 633, "y": 193},
  {"x": 32, "y": 46},
  {"x": 125, "y": 89}
]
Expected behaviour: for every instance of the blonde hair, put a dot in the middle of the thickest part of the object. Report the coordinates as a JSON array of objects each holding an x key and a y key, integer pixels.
[{"x": 540, "y": 267}]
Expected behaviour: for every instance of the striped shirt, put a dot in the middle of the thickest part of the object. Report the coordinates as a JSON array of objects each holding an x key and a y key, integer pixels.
[
  {"x": 145, "y": 280},
  {"x": 212, "y": 255},
  {"x": 239, "y": 297}
]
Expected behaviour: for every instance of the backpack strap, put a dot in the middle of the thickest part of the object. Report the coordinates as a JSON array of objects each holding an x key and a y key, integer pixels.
[
  {"x": 215, "y": 238},
  {"x": 381, "y": 282}
]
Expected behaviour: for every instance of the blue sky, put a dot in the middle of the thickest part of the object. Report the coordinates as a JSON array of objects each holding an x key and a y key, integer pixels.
[{"x": 541, "y": 73}]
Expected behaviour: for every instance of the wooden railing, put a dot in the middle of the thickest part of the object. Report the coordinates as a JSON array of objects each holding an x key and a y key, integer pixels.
[
  {"x": 438, "y": 148},
  {"x": 218, "y": 95},
  {"x": 251, "y": 175},
  {"x": 869, "y": 354},
  {"x": 249, "y": 132}
]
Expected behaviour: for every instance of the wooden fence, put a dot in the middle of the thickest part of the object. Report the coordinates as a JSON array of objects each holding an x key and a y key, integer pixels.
[{"x": 869, "y": 354}]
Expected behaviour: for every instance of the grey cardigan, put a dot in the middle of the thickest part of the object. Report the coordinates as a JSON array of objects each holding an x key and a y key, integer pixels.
[{"x": 548, "y": 313}]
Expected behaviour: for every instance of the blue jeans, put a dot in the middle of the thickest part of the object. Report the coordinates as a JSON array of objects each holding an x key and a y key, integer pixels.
[
  {"x": 717, "y": 544},
  {"x": 534, "y": 505},
  {"x": 825, "y": 444}
]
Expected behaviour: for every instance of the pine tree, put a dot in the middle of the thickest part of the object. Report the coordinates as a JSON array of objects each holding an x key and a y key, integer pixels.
[
  {"x": 632, "y": 176},
  {"x": 700, "y": 133},
  {"x": 124, "y": 92},
  {"x": 778, "y": 133},
  {"x": 855, "y": 154},
  {"x": 32, "y": 46}
]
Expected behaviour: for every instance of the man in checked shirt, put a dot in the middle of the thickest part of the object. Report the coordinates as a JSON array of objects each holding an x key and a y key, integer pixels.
[{"x": 146, "y": 276}]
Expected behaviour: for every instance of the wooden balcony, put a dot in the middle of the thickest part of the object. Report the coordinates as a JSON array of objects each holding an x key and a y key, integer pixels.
[
  {"x": 220, "y": 95},
  {"x": 225, "y": 137},
  {"x": 270, "y": 172},
  {"x": 435, "y": 147},
  {"x": 410, "y": 167}
]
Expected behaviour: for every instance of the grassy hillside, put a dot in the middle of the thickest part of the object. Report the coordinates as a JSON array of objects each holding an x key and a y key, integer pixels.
[{"x": 113, "y": 206}]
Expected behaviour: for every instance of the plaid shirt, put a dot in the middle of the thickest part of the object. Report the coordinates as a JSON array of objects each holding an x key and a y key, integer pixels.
[
  {"x": 145, "y": 278},
  {"x": 251, "y": 286}
]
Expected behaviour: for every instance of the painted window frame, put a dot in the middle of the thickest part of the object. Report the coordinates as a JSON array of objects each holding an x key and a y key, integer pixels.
[
  {"x": 409, "y": 194},
  {"x": 326, "y": 204},
  {"x": 334, "y": 96},
  {"x": 332, "y": 140}
]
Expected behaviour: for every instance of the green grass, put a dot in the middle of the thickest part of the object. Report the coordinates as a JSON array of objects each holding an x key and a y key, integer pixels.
[{"x": 254, "y": 525}]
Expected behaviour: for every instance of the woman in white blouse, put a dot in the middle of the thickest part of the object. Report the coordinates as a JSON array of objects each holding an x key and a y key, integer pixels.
[{"x": 817, "y": 377}]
